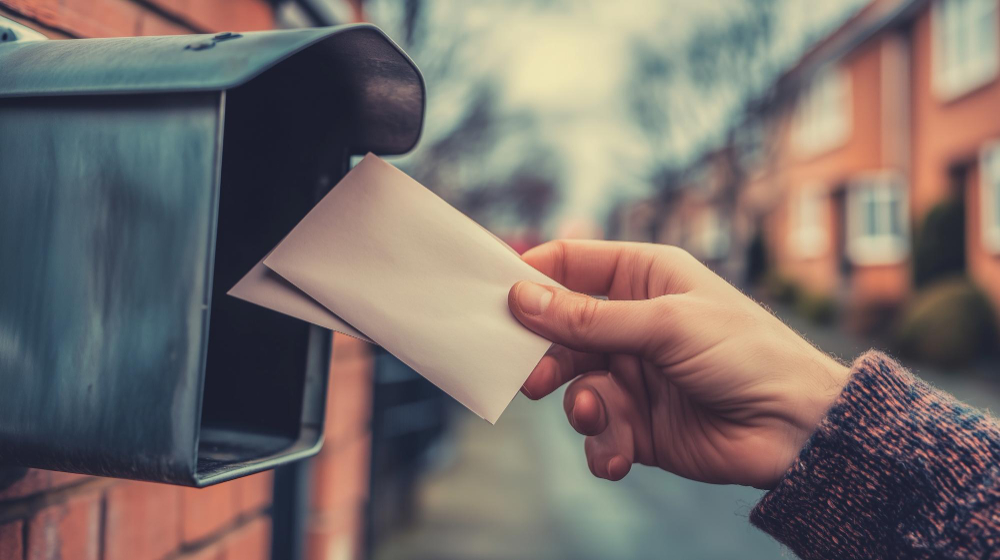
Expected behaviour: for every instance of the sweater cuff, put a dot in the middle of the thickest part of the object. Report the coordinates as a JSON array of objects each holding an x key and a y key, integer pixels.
[{"x": 897, "y": 468}]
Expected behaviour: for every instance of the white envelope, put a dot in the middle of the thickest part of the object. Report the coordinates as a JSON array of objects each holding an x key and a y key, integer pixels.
[
  {"x": 420, "y": 279},
  {"x": 266, "y": 288}
]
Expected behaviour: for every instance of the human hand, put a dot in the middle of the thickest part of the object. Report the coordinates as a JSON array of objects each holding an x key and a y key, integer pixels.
[{"x": 676, "y": 369}]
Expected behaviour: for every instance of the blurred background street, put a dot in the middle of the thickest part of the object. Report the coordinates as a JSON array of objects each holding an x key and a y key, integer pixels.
[{"x": 839, "y": 161}]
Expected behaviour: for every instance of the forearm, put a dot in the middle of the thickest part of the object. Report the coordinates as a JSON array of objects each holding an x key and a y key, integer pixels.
[{"x": 896, "y": 469}]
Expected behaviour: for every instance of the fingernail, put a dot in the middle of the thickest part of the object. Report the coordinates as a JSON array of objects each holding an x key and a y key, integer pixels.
[
  {"x": 524, "y": 389},
  {"x": 533, "y": 298}
]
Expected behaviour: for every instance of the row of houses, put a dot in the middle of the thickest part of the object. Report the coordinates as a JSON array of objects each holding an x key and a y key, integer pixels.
[{"x": 892, "y": 114}]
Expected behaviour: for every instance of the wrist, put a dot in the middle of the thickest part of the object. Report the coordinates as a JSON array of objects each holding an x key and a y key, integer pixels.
[{"x": 823, "y": 381}]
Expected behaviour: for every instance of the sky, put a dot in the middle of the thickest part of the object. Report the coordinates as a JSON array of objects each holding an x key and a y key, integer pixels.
[{"x": 565, "y": 64}]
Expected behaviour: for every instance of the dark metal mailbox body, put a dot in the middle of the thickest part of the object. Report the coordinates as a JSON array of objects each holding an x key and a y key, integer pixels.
[{"x": 140, "y": 178}]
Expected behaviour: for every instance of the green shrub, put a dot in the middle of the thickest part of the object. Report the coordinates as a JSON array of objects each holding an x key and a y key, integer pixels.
[
  {"x": 939, "y": 244},
  {"x": 948, "y": 324},
  {"x": 818, "y": 308}
]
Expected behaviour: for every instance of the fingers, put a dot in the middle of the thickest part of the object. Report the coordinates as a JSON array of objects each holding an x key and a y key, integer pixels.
[
  {"x": 617, "y": 269},
  {"x": 606, "y": 461},
  {"x": 610, "y": 446},
  {"x": 583, "y": 266},
  {"x": 584, "y": 408},
  {"x": 560, "y": 365},
  {"x": 587, "y": 324}
]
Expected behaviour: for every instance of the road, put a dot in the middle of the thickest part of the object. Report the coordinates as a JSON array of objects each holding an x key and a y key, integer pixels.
[{"x": 522, "y": 490}]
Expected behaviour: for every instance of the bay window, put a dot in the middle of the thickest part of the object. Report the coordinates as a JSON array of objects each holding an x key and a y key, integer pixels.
[{"x": 878, "y": 225}]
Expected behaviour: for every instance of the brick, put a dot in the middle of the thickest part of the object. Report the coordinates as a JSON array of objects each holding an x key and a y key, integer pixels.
[
  {"x": 101, "y": 18},
  {"x": 340, "y": 475},
  {"x": 60, "y": 479},
  {"x": 151, "y": 24},
  {"x": 340, "y": 537},
  {"x": 254, "y": 493},
  {"x": 347, "y": 347},
  {"x": 221, "y": 15},
  {"x": 206, "y": 511},
  {"x": 349, "y": 399},
  {"x": 142, "y": 521},
  {"x": 12, "y": 540},
  {"x": 44, "y": 11},
  {"x": 250, "y": 542},
  {"x": 85, "y": 18},
  {"x": 36, "y": 481},
  {"x": 214, "y": 551},
  {"x": 69, "y": 530},
  {"x": 33, "y": 482}
]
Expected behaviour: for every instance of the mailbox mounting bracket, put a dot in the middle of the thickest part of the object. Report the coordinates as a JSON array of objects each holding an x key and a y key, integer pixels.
[{"x": 11, "y": 31}]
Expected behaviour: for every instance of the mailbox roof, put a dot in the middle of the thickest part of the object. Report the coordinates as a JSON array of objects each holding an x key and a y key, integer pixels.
[{"x": 134, "y": 65}]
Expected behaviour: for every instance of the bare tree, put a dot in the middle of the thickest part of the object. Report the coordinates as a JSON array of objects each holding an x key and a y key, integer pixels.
[
  {"x": 481, "y": 156},
  {"x": 678, "y": 92}
]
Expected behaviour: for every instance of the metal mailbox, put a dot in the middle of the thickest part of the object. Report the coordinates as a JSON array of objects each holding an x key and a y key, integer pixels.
[{"x": 140, "y": 178}]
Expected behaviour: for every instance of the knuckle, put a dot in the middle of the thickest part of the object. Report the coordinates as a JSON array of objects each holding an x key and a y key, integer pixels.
[
  {"x": 675, "y": 253},
  {"x": 584, "y": 317}
]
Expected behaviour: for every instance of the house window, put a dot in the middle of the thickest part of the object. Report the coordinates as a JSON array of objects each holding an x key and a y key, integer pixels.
[
  {"x": 990, "y": 196},
  {"x": 966, "y": 47},
  {"x": 810, "y": 212},
  {"x": 878, "y": 229},
  {"x": 822, "y": 118},
  {"x": 713, "y": 235}
]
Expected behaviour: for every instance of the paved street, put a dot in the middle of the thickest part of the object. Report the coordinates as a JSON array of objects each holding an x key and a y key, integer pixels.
[{"x": 521, "y": 489}]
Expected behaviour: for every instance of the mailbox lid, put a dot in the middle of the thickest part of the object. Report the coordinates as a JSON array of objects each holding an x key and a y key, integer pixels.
[{"x": 361, "y": 57}]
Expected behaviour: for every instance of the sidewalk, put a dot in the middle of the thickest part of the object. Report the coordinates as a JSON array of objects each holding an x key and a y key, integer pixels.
[{"x": 522, "y": 490}]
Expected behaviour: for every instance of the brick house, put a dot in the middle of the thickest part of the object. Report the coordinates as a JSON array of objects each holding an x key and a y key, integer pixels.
[
  {"x": 841, "y": 164},
  {"x": 887, "y": 116},
  {"x": 47, "y": 514},
  {"x": 883, "y": 119}
]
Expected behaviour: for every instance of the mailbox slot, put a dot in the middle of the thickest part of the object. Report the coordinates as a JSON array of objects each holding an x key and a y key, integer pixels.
[{"x": 265, "y": 377}]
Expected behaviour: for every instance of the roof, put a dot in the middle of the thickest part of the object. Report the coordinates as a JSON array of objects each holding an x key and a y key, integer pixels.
[{"x": 877, "y": 16}]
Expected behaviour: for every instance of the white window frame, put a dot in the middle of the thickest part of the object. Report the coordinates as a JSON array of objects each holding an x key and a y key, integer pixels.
[
  {"x": 989, "y": 196},
  {"x": 884, "y": 246},
  {"x": 823, "y": 112},
  {"x": 978, "y": 66},
  {"x": 810, "y": 220}
]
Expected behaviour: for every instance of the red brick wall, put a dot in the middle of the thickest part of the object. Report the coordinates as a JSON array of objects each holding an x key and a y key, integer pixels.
[
  {"x": 119, "y": 18},
  {"x": 51, "y": 515},
  {"x": 828, "y": 170},
  {"x": 861, "y": 152},
  {"x": 336, "y": 527}
]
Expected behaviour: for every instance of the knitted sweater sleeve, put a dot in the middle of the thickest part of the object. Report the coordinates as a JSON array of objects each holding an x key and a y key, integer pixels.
[{"x": 897, "y": 469}]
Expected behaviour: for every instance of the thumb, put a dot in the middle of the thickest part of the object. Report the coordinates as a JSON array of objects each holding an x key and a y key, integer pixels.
[{"x": 584, "y": 323}]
